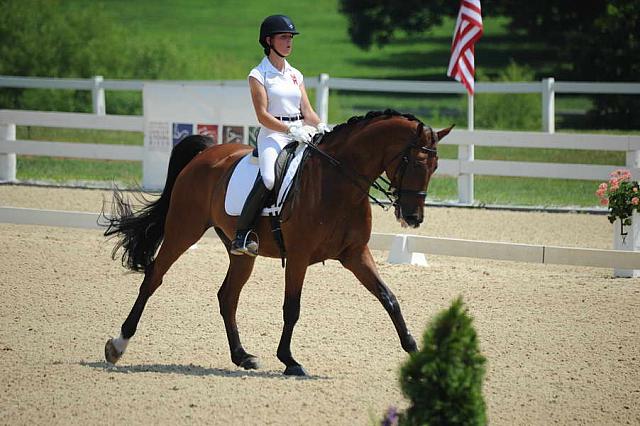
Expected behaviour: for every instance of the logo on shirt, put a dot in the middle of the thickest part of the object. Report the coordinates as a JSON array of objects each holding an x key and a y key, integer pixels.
[{"x": 295, "y": 80}]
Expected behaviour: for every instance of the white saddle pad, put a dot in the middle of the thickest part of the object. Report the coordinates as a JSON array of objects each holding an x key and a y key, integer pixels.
[{"x": 244, "y": 176}]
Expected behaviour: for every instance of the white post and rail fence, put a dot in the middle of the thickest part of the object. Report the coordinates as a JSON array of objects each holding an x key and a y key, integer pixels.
[{"x": 463, "y": 168}]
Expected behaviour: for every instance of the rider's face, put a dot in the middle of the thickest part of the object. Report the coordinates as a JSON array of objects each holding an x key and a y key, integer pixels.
[{"x": 283, "y": 43}]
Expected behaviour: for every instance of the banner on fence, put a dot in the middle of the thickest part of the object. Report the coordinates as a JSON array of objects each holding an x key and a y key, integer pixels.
[{"x": 174, "y": 111}]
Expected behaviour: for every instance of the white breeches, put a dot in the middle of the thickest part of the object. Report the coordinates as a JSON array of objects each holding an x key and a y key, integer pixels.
[{"x": 270, "y": 143}]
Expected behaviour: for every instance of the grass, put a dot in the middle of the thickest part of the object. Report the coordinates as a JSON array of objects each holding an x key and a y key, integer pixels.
[
  {"x": 219, "y": 40},
  {"x": 72, "y": 170},
  {"x": 520, "y": 191}
]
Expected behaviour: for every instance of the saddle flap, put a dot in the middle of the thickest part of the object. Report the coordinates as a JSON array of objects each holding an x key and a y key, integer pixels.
[{"x": 246, "y": 171}]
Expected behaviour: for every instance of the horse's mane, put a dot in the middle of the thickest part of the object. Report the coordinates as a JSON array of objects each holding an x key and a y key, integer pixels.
[{"x": 374, "y": 114}]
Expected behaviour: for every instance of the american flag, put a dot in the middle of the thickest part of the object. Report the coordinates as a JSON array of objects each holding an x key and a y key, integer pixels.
[{"x": 468, "y": 31}]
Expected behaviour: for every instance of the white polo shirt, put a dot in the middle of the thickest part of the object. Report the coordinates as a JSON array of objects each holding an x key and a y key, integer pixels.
[{"x": 283, "y": 88}]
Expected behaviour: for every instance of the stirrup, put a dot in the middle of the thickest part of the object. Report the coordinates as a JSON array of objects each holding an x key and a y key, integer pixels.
[{"x": 243, "y": 245}]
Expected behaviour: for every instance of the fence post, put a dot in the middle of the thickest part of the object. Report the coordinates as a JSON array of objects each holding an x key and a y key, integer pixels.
[
  {"x": 97, "y": 95},
  {"x": 633, "y": 162},
  {"x": 548, "y": 105},
  {"x": 322, "y": 97},
  {"x": 466, "y": 153},
  {"x": 8, "y": 160}
]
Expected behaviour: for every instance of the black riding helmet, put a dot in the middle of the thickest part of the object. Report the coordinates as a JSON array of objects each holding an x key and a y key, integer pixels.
[{"x": 275, "y": 24}]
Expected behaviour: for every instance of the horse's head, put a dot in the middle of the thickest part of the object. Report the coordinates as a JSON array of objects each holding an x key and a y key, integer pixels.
[{"x": 410, "y": 171}]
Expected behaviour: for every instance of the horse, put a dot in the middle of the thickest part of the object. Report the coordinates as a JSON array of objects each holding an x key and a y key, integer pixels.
[{"x": 329, "y": 217}]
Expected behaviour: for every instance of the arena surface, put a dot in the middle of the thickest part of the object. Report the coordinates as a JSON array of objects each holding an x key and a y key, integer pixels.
[{"x": 562, "y": 343}]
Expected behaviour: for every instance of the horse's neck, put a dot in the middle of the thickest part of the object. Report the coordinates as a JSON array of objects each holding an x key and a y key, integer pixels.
[{"x": 363, "y": 150}]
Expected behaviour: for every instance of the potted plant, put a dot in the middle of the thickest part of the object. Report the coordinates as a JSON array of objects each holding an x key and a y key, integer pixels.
[{"x": 622, "y": 196}]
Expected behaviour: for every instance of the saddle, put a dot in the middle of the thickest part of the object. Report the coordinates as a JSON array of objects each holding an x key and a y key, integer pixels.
[{"x": 288, "y": 170}]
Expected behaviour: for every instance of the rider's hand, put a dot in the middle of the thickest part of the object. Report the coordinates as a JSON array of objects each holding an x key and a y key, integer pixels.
[
  {"x": 323, "y": 128},
  {"x": 299, "y": 133}
]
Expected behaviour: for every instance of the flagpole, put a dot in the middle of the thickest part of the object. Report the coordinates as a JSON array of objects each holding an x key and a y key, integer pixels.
[
  {"x": 467, "y": 153},
  {"x": 470, "y": 113},
  {"x": 467, "y": 31}
]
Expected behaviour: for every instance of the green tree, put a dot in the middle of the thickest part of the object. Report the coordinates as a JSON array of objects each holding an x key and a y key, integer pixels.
[
  {"x": 591, "y": 40},
  {"x": 443, "y": 380},
  {"x": 39, "y": 38},
  {"x": 378, "y": 21}
]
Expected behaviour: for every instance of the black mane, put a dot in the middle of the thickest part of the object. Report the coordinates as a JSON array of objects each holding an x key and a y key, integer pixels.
[{"x": 373, "y": 114}]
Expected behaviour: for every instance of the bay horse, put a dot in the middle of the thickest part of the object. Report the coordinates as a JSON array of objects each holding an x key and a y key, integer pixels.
[{"x": 328, "y": 218}]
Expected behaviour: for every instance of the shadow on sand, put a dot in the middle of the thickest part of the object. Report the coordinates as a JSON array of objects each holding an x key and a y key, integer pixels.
[{"x": 191, "y": 370}]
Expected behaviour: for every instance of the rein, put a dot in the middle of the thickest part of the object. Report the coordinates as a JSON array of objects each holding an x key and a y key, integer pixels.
[{"x": 392, "y": 194}]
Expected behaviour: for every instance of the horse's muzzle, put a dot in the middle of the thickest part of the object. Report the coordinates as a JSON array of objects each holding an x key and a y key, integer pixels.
[{"x": 413, "y": 221}]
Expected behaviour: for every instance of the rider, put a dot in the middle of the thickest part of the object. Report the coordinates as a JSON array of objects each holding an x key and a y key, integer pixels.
[{"x": 282, "y": 108}]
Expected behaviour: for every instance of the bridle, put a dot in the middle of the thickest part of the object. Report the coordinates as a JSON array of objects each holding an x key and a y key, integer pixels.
[{"x": 393, "y": 194}]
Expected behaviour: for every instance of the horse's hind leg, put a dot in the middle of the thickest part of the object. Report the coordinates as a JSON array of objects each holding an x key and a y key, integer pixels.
[
  {"x": 240, "y": 268},
  {"x": 178, "y": 238},
  {"x": 362, "y": 265}
]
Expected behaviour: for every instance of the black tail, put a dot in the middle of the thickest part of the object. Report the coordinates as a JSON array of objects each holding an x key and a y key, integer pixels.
[{"x": 140, "y": 232}]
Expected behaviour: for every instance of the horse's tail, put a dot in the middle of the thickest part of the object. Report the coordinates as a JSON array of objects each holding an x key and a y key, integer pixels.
[{"x": 139, "y": 233}]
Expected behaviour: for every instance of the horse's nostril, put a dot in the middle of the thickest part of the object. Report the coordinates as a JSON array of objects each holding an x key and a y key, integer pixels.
[{"x": 413, "y": 219}]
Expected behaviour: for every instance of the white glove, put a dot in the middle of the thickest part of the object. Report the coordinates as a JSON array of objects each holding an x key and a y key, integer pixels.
[
  {"x": 299, "y": 133},
  {"x": 323, "y": 128}
]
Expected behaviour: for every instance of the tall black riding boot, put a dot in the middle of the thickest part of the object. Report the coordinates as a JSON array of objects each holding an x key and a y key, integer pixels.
[{"x": 251, "y": 210}]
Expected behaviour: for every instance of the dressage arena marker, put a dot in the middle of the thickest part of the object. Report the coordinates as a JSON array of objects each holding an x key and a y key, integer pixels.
[{"x": 407, "y": 248}]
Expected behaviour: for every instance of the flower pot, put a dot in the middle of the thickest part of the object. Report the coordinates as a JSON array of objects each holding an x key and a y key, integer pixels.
[{"x": 627, "y": 238}]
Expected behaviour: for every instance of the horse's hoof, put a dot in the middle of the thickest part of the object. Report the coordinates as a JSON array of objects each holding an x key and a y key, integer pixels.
[
  {"x": 295, "y": 370},
  {"x": 111, "y": 354},
  {"x": 251, "y": 363}
]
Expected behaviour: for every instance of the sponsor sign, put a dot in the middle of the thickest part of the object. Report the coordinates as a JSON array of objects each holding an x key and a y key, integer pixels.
[
  {"x": 210, "y": 130},
  {"x": 159, "y": 136},
  {"x": 232, "y": 134},
  {"x": 180, "y": 131},
  {"x": 253, "y": 135}
]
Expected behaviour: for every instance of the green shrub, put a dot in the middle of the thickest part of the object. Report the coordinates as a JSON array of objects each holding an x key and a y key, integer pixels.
[
  {"x": 46, "y": 40},
  {"x": 508, "y": 111},
  {"x": 443, "y": 380}
]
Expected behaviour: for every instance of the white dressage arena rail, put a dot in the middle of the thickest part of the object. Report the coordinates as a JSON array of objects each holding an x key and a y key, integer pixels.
[
  {"x": 630, "y": 144},
  {"x": 464, "y": 167},
  {"x": 402, "y": 248}
]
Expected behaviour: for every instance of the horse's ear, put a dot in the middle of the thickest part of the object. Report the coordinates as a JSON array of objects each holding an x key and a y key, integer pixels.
[{"x": 444, "y": 132}]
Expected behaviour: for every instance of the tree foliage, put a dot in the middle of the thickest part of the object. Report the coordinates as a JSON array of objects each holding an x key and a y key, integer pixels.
[
  {"x": 40, "y": 38},
  {"x": 443, "y": 381},
  {"x": 591, "y": 40},
  {"x": 377, "y": 21}
]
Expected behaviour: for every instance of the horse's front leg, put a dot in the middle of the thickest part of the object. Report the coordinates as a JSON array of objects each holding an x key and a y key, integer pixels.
[
  {"x": 361, "y": 263},
  {"x": 294, "y": 278}
]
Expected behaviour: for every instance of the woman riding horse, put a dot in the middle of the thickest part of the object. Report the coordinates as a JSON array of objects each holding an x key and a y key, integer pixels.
[
  {"x": 282, "y": 107},
  {"x": 332, "y": 219}
]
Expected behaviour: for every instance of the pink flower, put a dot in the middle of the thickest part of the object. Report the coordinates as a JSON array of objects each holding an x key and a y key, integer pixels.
[
  {"x": 614, "y": 185},
  {"x": 600, "y": 192},
  {"x": 603, "y": 186},
  {"x": 635, "y": 201},
  {"x": 604, "y": 202},
  {"x": 635, "y": 189},
  {"x": 621, "y": 174}
]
